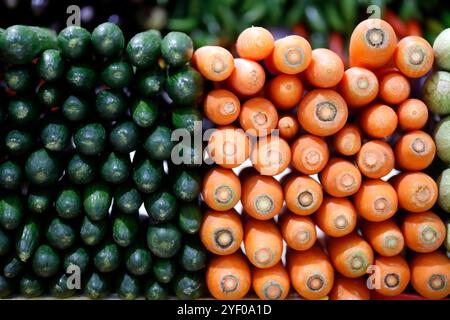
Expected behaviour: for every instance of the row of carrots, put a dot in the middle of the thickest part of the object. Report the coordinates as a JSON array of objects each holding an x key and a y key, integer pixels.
[{"x": 342, "y": 133}]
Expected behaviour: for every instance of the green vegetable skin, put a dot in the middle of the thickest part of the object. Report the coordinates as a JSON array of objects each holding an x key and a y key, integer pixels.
[
  {"x": 5, "y": 242},
  {"x": 92, "y": 232},
  {"x": 128, "y": 287},
  {"x": 60, "y": 234},
  {"x": 441, "y": 48},
  {"x": 436, "y": 92},
  {"x": 442, "y": 139},
  {"x": 11, "y": 211},
  {"x": 28, "y": 239},
  {"x": 153, "y": 290},
  {"x": 164, "y": 240},
  {"x": 59, "y": 287},
  {"x": 97, "y": 200},
  {"x": 184, "y": 86},
  {"x": 31, "y": 286},
  {"x": 189, "y": 285},
  {"x": 45, "y": 262},
  {"x": 125, "y": 229},
  {"x": 444, "y": 190},
  {"x": 97, "y": 286},
  {"x": 164, "y": 270},
  {"x": 108, "y": 40},
  {"x": 190, "y": 218},
  {"x": 144, "y": 48},
  {"x": 177, "y": 48}
]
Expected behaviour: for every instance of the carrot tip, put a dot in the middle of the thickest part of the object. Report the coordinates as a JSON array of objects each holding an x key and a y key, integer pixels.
[
  {"x": 315, "y": 282},
  {"x": 429, "y": 235},
  {"x": 264, "y": 256},
  {"x": 305, "y": 199},
  {"x": 264, "y": 204},
  {"x": 375, "y": 37},
  {"x": 223, "y": 238},
  {"x": 392, "y": 280},
  {"x": 391, "y": 242},
  {"x": 341, "y": 222},
  {"x": 223, "y": 194},
  {"x": 229, "y": 283},
  {"x": 326, "y": 111},
  {"x": 302, "y": 237},
  {"x": 437, "y": 282},
  {"x": 273, "y": 290}
]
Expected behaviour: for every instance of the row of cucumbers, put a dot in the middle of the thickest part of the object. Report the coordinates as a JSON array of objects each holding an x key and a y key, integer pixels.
[{"x": 90, "y": 200}]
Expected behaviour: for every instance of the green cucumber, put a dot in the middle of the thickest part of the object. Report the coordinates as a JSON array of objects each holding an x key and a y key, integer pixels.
[
  {"x": 447, "y": 237},
  {"x": 45, "y": 262},
  {"x": 23, "y": 111},
  {"x": 75, "y": 108},
  {"x": 436, "y": 92},
  {"x": 144, "y": 112},
  {"x": 190, "y": 218},
  {"x": 31, "y": 286},
  {"x": 47, "y": 38},
  {"x": 50, "y": 66},
  {"x": 186, "y": 118},
  {"x": 184, "y": 86},
  {"x": 124, "y": 137},
  {"x": 138, "y": 260},
  {"x": 74, "y": 42},
  {"x": 189, "y": 285},
  {"x": 161, "y": 206},
  {"x": 78, "y": 257},
  {"x": 59, "y": 287},
  {"x": 117, "y": 74},
  {"x": 164, "y": 240},
  {"x": 127, "y": 199},
  {"x": 97, "y": 200},
  {"x": 97, "y": 286},
  {"x": 55, "y": 136},
  {"x": 68, "y": 203},
  {"x": 28, "y": 239},
  {"x": 115, "y": 168},
  {"x": 42, "y": 168},
  {"x": 20, "y": 78},
  {"x": 147, "y": 174},
  {"x": 177, "y": 48},
  {"x": 108, "y": 40},
  {"x": 60, "y": 234},
  {"x": 12, "y": 267},
  {"x": 164, "y": 270},
  {"x": 144, "y": 48},
  {"x": 442, "y": 139},
  {"x": 92, "y": 232},
  {"x": 50, "y": 94},
  {"x": 158, "y": 143},
  {"x": 125, "y": 229},
  {"x": 153, "y": 290},
  {"x": 11, "y": 211},
  {"x": 192, "y": 256},
  {"x": 81, "y": 77},
  {"x": 90, "y": 139},
  {"x": 20, "y": 44},
  {"x": 39, "y": 200},
  {"x": 10, "y": 175},
  {"x": 442, "y": 49},
  {"x": 111, "y": 105},
  {"x": 6, "y": 287},
  {"x": 5, "y": 242},
  {"x": 128, "y": 287},
  {"x": 149, "y": 82},
  {"x": 107, "y": 257},
  {"x": 186, "y": 185},
  {"x": 81, "y": 169},
  {"x": 18, "y": 142}
]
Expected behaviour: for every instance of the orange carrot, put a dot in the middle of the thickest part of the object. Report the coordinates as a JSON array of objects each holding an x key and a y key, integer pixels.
[
  {"x": 288, "y": 126},
  {"x": 359, "y": 87},
  {"x": 228, "y": 277},
  {"x": 221, "y": 106},
  {"x": 412, "y": 115},
  {"x": 298, "y": 232},
  {"x": 303, "y": 194},
  {"x": 349, "y": 289},
  {"x": 423, "y": 231},
  {"x": 336, "y": 217},
  {"x": 258, "y": 117},
  {"x": 228, "y": 146},
  {"x": 271, "y": 283},
  {"x": 394, "y": 88},
  {"x": 263, "y": 242},
  {"x": 221, "y": 189},
  {"x": 271, "y": 155},
  {"x": 414, "y": 151},
  {"x": 414, "y": 56},
  {"x": 291, "y": 55},
  {"x": 375, "y": 159},
  {"x": 309, "y": 154},
  {"x": 285, "y": 91},
  {"x": 322, "y": 112},
  {"x": 378, "y": 121},
  {"x": 325, "y": 70},
  {"x": 247, "y": 78},
  {"x": 254, "y": 43},
  {"x": 347, "y": 141},
  {"x": 394, "y": 275},
  {"x": 340, "y": 178},
  {"x": 385, "y": 237},
  {"x": 221, "y": 232},
  {"x": 213, "y": 62}
]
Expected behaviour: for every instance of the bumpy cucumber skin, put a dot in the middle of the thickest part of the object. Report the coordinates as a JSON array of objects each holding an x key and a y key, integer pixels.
[
  {"x": 177, "y": 48},
  {"x": 436, "y": 92},
  {"x": 111, "y": 105},
  {"x": 115, "y": 168},
  {"x": 147, "y": 174},
  {"x": 18, "y": 142},
  {"x": 20, "y": 78},
  {"x": 144, "y": 48},
  {"x": 68, "y": 203},
  {"x": 50, "y": 66},
  {"x": 164, "y": 270},
  {"x": 107, "y": 39},
  {"x": 28, "y": 240},
  {"x": 153, "y": 290},
  {"x": 138, "y": 260},
  {"x": 45, "y": 262},
  {"x": 107, "y": 257},
  {"x": 441, "y": 48},
  {"x": 124, "y": 137},
  {"x": 189, "y": 285},
  {"x": 31, "y": 286},
  {"x": 161, "y": 206},
  {"x": 127, "y": 199},
  {"x": 74, "y": 42},
  {"x": 92, "y": 232},
  {"x": 90, "y": 139},
  {"x": 144, "y": 112},
  {"x": 10, "y": 175},
  {"x": 164, "y": 240},
  {"x": 75, "y": 108},
  {"x": 42, "y": 168},
  {"x": 11, "y": 211},
  {"x": 81, "y": 77},
  {"x": 97, "y": 200},
  {"x": 81, "y": 169},
  {"x": 60, "y": 234},
  {"x": 117, "y": 74},
  {"x": 78, "y": 257},
  {"x": 185, "y": 86},
  {"x": 125, "y": 229},
  {"x": 97, "y": 286}
]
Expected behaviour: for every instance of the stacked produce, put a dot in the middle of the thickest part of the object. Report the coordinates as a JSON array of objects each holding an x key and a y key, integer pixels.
[
  {"x": 341, "y": 133},
  {"x": 85, "y": 141}
]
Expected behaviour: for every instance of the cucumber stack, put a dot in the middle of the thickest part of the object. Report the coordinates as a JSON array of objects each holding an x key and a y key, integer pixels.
[{"x": 87, "y": 181}]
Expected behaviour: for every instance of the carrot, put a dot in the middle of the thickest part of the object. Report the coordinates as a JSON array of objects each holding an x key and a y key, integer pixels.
[
  {"x": 359, "y": 87},
  {"x": 288, "y": 126},
  {"x": 347, "y": 141},
  {"x": 262, "y": 196},
  {"x": 378, "y": 121},
  {"x": 247, "y": 78},
  {"x": 285, "y": 91},
  {"x": 228, "y": 146},
  {"x": 221, "y": 189},
  {"x": 309, "y": 154},
  {"x": 414, "y": 151},
  {"x": 349, "y": 289},
  {"x": 322, "y": 112},
  {"x": 394, "y": 274},
  {"x": 412, "y": 114},
  {"x": 376, "y": 200},
  {"x": 417, "y": 192},
  {"x": 350, "y": 255},
  {"x": 423, "y": 231},
  {"x": 303, "y": 194},
  {"x": 394, "y": 88},
  {"x": 430, "y": 274},
  {"x": 325, "y": 70},
  {"x": 271, "y": 155},
  {"x": 221, "y": 232},
  {"x": 336, "y": 217},
  {"x": 311, "y": 273},
  {"x": 263, "y": 242},
  {"x": 298, "y": 232},
  {"x": 385, "y": 237},
  {"x": 228, "y": 277},
  {"x": 221, "y": 106},
  {"x": 271, "y": 283},
  {"x": 340, "y": 178},
  {"x": 258, "y": 117},
  {"x": 375, "y": 159},
  {"x": 372, "y": 44},
  {"x": 290, "y": 55},
  {"x": 414, "y": 56},
  {"x": 213, "y": 62},
  {"x": 254, "y": 43}
]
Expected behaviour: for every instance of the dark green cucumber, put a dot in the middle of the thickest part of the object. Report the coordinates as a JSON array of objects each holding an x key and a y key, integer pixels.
[
  {"x": 68, "y": 203},
  {"x": 187, "y": 118},
  {"x": 12, "y": 267},
  {"x": 188, "y": 154},
  {"x": 42, "y": 168},
  {"x": 90, "y": 139},
  {"x": 161, "y": 206},
  {"x": 108, "y": 40},
  {"x": 177, "y": 48},
  {"x": 111, "y": 105},
  {"x": 74, "y": 42},
  {"x": 60, "y": 234},
  {"x": 128, "y": 287},
  {"x": 20, "y": 44},
  {"x": 153, "y": 290},
  {"x": 5, "y": 242},
  {"x": 149, "y": 82},
  {"x": 60, "y": 287},
  {"x": 45, "y": 262},
  {"x": 47, "y": 38},
  {"x": 147, "y": 174},
  {"x": 97, "y": 286},
  {"x": 11, "y": 211},
  {"x": 81, "y": 169},
  {"x": 50, "y": 66},
  {"x": 81, "y": 77},
  {"x": 55, "y": 136},
  {"x": 20, "y": 78},
  {"x": 143, "y": 49},
  {"x": 127, "y": 199},
  {"x": 192, "y": 256},
  {"x": 164, "y": 240},
  {"x": 184, "y": 86},
  {"x": 124, "y": 137},
  {"x": 6, "y": 287},
  {"x": 107, "y": 257},
  {"x": 18, "y": 142},
  {"x": 97, "y": 200},
  {"x": 138, "y": 260},
  {"x": 186, "y": 185},
  {"x": 31, "y": 286},
  {"x": 28, "y": 239},
  {"x": 190, "y": 218},
  {"x": 158, "y": 143},
  {"x": 23, "y": 111},
  {"x": 39, "y": 200},
  {"x": 164, "y": 270},
  {"x": 144, "y": 112},
  {"x": 10, "y": 175},
  {"x": 75, "y": 108},
  {"x": 117, "y": 74},
  {"x": 189, "y": 285},
  {"x": 115, "y": 168},
  {"x": 50, "y": 94},
  {"x": 125, "y": 229},
  {"x": 78, "y": 257},
  {"x": 92, "y": 232}
]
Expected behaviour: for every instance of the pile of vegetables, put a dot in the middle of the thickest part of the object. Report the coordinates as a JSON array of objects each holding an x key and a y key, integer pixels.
[
  {"x": 322, "y": 143},
  {"x": 87, "y": 187}
]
